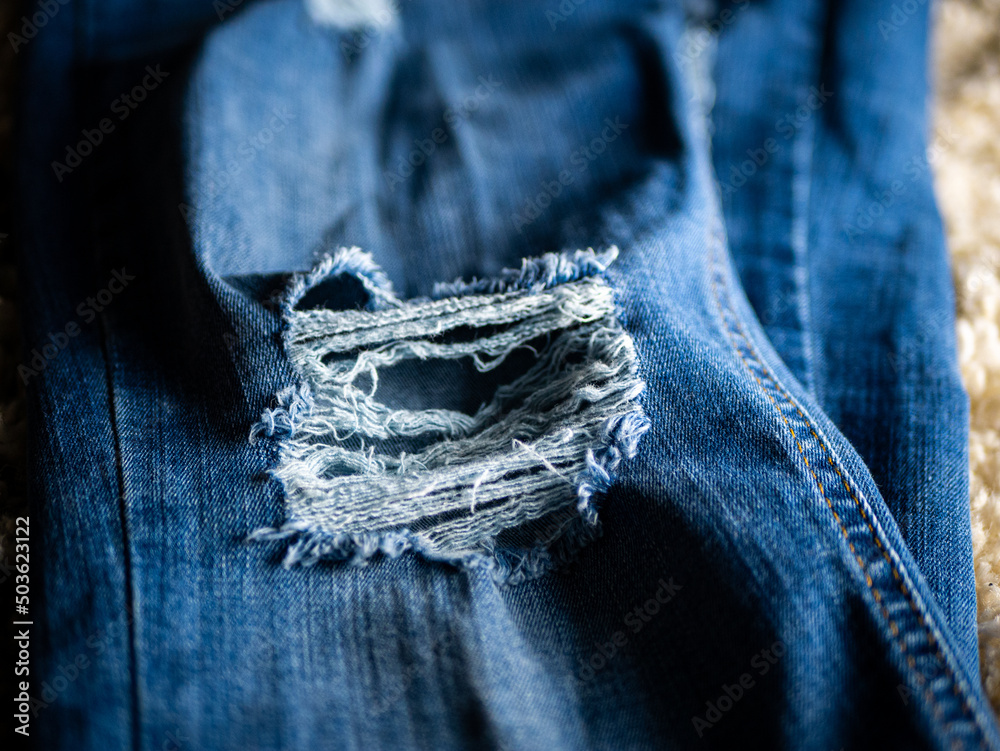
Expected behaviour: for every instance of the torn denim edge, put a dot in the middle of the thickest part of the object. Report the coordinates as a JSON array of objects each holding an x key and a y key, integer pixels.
[
  {"x": 295, "y": 414},
  {"x": 535, "y": 274},
  {"x": 352, "y": 261}
]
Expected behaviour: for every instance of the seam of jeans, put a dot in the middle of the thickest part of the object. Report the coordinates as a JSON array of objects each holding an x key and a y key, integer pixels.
[{"x": 933, "y": 640}]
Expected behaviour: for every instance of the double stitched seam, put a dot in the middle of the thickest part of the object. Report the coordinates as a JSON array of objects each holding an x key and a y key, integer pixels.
[{"x": 876, "y": 594}]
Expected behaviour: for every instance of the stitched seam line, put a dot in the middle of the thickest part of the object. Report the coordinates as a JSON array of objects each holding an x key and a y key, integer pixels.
[{"x": 877, "y": 595}]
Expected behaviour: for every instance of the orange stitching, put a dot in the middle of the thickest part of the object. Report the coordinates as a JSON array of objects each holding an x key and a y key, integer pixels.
[{"x": 868, "y": 580}]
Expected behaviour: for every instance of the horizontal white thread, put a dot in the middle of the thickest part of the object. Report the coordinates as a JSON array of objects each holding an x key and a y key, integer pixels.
[{"x": 527, "y": 454}]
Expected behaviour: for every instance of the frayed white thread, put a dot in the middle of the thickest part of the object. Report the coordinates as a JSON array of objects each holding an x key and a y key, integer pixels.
[
  {"x": 352, "y": 261},
  {"x": 548, "y": 442}
]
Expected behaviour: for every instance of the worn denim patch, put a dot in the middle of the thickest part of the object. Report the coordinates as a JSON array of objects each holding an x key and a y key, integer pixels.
[{"x": 512, "y": 486}]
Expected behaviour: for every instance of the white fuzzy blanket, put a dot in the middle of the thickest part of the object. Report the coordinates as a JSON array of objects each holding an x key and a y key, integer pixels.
[{"x": 968, "y": 186}]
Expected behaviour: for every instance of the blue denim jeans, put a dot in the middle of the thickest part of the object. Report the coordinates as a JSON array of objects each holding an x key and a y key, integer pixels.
[{"x": 513, "y": 375}]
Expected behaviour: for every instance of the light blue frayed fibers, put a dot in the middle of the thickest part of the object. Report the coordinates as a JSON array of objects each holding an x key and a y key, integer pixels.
[{"x": 535, "y": 456}]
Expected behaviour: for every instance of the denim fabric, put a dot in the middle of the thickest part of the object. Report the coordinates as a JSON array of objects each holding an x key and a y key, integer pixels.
[{"x": 784, "y": 562}]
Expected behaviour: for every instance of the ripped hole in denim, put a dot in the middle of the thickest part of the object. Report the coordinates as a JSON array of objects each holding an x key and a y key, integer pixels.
[{"x": 510, "y": 486}]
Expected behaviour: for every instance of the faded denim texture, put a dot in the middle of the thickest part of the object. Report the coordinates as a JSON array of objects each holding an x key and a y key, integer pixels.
[{"x": 782, "y": 561}]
